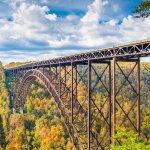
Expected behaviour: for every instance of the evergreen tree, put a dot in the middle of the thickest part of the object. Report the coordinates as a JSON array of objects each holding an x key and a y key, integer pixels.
[{"x": 143, "y": 10}]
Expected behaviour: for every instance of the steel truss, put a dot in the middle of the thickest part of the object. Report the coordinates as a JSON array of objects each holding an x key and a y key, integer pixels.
[
  {"x": 129, "y": 50},
  {"x": 87, "y": 92},
  {"x": 133, "y": 86}
]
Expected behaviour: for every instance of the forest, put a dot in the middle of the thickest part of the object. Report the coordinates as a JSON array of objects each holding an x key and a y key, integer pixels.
[{"x": 40, "y": 127}]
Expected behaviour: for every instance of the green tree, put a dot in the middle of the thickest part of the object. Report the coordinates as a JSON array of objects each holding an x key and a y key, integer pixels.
[
  {"x": 143, "y": 10},
  {"x": 128, "y": 140},
  {"x": 2, "y": 134}
]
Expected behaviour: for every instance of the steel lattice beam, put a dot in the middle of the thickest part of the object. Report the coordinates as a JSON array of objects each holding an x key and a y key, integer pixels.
[{"x": 129, "y": 50}]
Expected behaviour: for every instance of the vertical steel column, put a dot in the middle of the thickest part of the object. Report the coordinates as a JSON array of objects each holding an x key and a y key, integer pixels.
[
  {"x": 71, "y": 92},
  {"x": 76, "y": 81},
  {"x": 89, "y": 104},
  {"x": 139, "y": 98},
  {"x": 43, "y": 69},
  {"x": 59, "y": 80},
  {"x": 15, "y": 80},
  {"x": 50, "y": 71},
  {"x": 13, "y": 86},
  {"x": 56, "y": 72},
  {"x": 114, "y": 101},
  {"x": 65, "y": 75},
  {"x": 110, "y": 104}
]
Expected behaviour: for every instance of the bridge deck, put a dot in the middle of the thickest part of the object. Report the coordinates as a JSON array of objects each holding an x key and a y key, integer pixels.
[{"x": 129, "y": 50}]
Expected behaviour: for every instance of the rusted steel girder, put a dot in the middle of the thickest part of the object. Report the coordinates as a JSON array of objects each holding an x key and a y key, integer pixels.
[{"x": 128, "y": 50}]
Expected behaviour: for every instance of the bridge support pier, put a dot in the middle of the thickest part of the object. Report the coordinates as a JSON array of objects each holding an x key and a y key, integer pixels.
[
  {"x": 114, "y": 101},
  {"x": 130, "y": 91},
  {"x": 139, "y": 99},
  {"x": 99, "y": 104},
  {"x": 89, "y": 105}
]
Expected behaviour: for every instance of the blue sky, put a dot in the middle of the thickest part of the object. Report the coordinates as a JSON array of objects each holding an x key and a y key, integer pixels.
[{"x": 42, "y": 29}]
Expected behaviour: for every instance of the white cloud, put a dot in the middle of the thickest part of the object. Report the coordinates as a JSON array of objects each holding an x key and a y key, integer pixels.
[
  {"x": 32, "y": 56},
  {"x": 72, "y": 18},
  {"x": 51, "y": 17},
  {"x": 15, "y": 3},
  {"x": 34, "y": 29},
  {"x": 93, "y": 14},
  {"x": 30, "y": 23},
  {"x": 105, "y": 2},
  {"x": 89, "y": 28},
  {"x": 116, "y": 8},
  {"x": 113, "y": 22}
]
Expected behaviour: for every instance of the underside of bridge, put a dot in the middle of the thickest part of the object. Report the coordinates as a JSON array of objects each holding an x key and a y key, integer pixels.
[{"x": 90, "y": 117}]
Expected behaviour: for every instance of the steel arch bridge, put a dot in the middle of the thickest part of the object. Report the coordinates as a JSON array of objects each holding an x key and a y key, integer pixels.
[{"x": 90, "y": 121}]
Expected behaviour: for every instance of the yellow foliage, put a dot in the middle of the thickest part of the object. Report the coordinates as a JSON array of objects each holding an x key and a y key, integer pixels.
[
  {"x": 50, "y": 137},
  {"x": 69, "y": 146}
]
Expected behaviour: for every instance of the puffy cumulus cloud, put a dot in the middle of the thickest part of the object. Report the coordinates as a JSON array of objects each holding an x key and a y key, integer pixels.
[
  {"x": 112, "y": 32},
  {"x": 51, "y": 17},
  {"x": 93, "y": 14},
  {"x": 112, "y": 22},
  {"x": 130, "y": 29},
  {"x": 135, "y": 28},
  {"x": 34, "y": 27},
  {"x": 72, "y": 18},
  {"x": 90, "y": 27},
  {"x": 37, "y": 34},
  {"x": 29, "y": 26}
]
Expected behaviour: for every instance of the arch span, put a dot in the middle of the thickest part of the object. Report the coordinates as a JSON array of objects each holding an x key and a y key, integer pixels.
[{"x": 23, "y": 88}]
